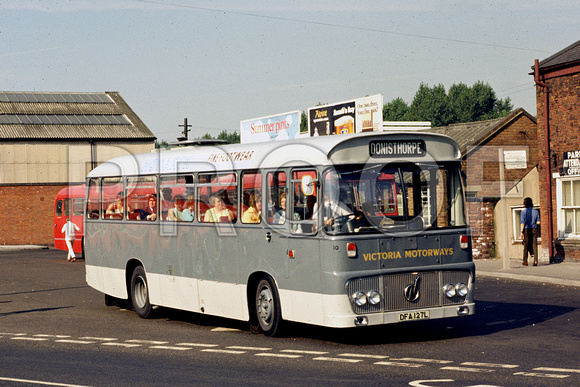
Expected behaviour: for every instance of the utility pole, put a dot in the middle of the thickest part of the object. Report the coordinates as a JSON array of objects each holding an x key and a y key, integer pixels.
[{"x": 185, "y": 126}]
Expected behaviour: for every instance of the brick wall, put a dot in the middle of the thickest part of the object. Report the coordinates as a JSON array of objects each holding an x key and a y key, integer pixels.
[
  {"x": 564, "y": 121},
  {"x": 483, "y": 177},
  {"x": 26, "y": 214}
]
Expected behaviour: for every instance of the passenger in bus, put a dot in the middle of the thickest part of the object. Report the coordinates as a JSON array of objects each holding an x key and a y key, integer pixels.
[
  {"x": 219, "y": 212},
  {"x": 176, "y": 213},
  {"x": 254, "y": 212},
  {"x": 310, "y": 204},
  {"x": 166, "y": 200},
  {"x": 149, "y": 212},
  {"x": 280, "y": 215},
  {"x": 115, "y": 209},
  {"x": 189, "y": 211}
]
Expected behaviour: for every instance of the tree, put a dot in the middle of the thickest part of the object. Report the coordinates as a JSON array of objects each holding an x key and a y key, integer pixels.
[
  {"x": 461, "y": 104},
  {"x": 231, "y": 138},
  {"x": 396, "y": 110}
]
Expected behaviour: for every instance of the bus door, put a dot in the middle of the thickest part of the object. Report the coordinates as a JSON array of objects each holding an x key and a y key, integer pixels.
[
  {"x": 302, "y": 246},
  {"x": 276, "y": 211}
]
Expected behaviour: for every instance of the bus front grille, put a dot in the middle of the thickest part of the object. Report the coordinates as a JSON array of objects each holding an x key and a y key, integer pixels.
[{"x": 407, "y": 290}]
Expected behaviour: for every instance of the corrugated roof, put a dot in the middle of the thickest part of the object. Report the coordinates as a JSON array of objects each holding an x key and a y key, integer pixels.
[
  {"x": 470, "y": 134},
  {"x": 107, "y": 103},
  {"x": 568, "y": 55}
]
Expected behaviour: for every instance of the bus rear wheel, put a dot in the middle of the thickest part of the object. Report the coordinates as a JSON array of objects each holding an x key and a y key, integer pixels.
[
  {"x": 267, "y": 307},
  {"x": 140, "y": 293}
]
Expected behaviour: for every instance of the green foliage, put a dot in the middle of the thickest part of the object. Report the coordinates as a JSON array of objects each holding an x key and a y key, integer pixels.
[
  {"x": 461, "y": 104},
  {"x": 162, "y": 144},
  {"x": 231, "y": 138}
]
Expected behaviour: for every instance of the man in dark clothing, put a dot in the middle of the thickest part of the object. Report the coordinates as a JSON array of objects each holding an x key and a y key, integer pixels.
[{"x": 529, "y": 222}]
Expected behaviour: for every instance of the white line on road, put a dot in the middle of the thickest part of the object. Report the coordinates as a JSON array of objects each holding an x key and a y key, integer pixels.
[
  {"x": 323, "y": 358},
  {"x": 53, "y": 336},
  {"x": 170, "y": 347},
  {"x": 223, "y": 351},
  {"x": 282, "y": 355},
  {"x": 467, "y": 369},
  {"x": 398, "y": 364},
  {"x": 151, "y": 342},
  {"x": 556, "y": 369},
  {"x": 436, "y": 361},
  {"x": 492, "y": 365},
  {"x": 363, "y": 355},
  {"x": 40, "y": 382},
  {"x": 29, "y": 338},
  {"x": 125, "y": 345},
  {"x": 68, "y": 341},
  {"x": 98, "y": 338},
  {"x": 540, "y": 375},
  {"x": 225, "y": 330},
  {"x": 198, "y": 345},
  {"x": 304, "y": 352},
  {"x": 249, "y": 348}
]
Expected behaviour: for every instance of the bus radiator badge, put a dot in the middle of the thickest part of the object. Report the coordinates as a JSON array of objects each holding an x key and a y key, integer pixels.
[{"x": 412, "y": 291}]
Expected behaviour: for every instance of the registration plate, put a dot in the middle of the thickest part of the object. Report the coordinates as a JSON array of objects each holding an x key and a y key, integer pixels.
[{"x": 410, "y": 316}]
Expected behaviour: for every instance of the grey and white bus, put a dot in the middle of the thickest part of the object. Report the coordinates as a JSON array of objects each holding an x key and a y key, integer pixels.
[{"x": 336, "y": 231}]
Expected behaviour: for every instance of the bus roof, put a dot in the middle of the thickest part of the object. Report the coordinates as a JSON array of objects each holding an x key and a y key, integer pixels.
[{"x": 360, "y": 148}]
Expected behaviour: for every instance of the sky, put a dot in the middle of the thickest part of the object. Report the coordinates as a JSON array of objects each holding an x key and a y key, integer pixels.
[{"x": 218, "y": 62}]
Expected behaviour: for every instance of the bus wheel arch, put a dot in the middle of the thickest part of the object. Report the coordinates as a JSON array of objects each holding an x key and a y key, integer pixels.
[
  {"x": 138, "y": 289},
  {"x": 265, "y": 308}
]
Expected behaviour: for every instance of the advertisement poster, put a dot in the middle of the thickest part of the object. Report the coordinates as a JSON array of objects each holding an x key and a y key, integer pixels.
[
  {"x": 271, "y": 128},
  {"x": 360, "y": 115}
]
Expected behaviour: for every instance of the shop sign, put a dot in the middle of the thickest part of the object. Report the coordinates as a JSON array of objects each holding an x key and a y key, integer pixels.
[{"x": 571, "y": 163}]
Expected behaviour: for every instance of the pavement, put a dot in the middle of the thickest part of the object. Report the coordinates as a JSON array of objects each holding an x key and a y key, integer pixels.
[{"x": 562, "y": 273}]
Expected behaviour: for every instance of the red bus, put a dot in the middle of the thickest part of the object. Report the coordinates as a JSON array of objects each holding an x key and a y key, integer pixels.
[{"x": 69, "y": 203}]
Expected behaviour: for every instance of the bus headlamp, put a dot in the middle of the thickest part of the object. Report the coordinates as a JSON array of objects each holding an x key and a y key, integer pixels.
[
  {"x": 461, "y": 289},
  {"x": 374, "y": 297},
  {"x": 449, "y": 291},
  {"x": 359, "y": 298}
]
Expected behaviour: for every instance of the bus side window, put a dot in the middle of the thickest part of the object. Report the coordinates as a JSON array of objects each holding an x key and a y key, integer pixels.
[
  {"x": 113, "y": 198},
  {"x": 212, "y": 186},
  {"x": 251, "y": 208},
  {"x": 177, "y": 198},
  {"x": 93, "y": 202},
  {"x": 58, "y": 208},
  {"x": 304, "y": 187},
  {"x": 276, "y": 198},
  {"x": 142, "y": 198}
]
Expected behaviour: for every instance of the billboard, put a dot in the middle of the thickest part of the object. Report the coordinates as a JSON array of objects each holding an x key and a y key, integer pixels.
[
  {"x": 271, "y": 128},
  {"x": 359, "y": 115}
]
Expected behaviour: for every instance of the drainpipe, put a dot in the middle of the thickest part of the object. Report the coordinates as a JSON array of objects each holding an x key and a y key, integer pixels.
[{"x": 547, "y": 161}]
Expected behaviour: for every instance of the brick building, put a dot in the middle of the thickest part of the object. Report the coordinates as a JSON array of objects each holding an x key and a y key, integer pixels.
[
  {"x": 499, "y": 156},
  {"x": 49, "y": 141},
  {"x": 558, "y": 107}
]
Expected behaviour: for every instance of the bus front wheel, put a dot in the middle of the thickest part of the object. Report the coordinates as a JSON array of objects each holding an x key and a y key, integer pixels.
[
  {"x": 140, "y": 293},
  {"x": 267, "y": 305}
]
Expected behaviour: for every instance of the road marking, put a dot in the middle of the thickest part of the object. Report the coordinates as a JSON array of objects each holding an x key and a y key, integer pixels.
[
  {"x": 283, "y": 355},
  {"x": 225, "y": 330},
  {"x": 53, "y": 336},
  {"x": 419, "y": 383},
  {"x": 364, "y": 355},
  {"x": 249, "y": 348},
  {"x": 323, "y": 358},
  {"x": 125, "y": 345},
  {"x": 68, "y": 341},
  {"x": 467, "y": 369},
  {"x": 12, "y": 334},
  {"x": 223, "y": 351},
  {"x": 556, "y": 369},
  {"x": 492, "y": 365},
  {"x": 436, "y": 361},
  {"x": 40, "y": 382},
  {"x": 397, "y": 364},
  {"x": 29, "y": 338},
  {"x": 540, "y": 375},
  {"x": 151, "y": 342},
  {"x": 170, "y": 347},
  {"x": 98, "y": 338},
  {"x": 304, "y": 352},
  {"x": 198, "y": 345}
]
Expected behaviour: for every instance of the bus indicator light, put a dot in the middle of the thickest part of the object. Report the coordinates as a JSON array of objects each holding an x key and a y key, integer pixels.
[{"x": 464, "y": 242}]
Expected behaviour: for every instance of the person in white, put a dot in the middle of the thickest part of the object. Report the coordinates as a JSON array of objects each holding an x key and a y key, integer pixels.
[{"x": 68, "y": 230}]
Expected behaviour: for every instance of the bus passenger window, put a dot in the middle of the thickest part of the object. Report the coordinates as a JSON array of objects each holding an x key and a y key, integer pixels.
[
  {"x": 94, "y": 196},
  {"x": 218, "y": 197},
  {"x": 177, "y": 198},
  {"x": 276, "y": 198},
  {"x": 113, "y": 201},
  {"x": 142, "y": 198},
  {"x": 304, "y": 187},
  {"x": 252, "y": 197}
]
